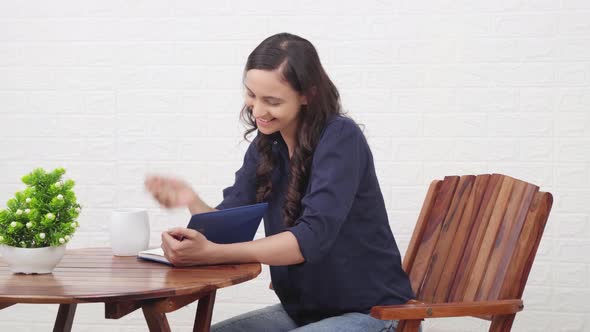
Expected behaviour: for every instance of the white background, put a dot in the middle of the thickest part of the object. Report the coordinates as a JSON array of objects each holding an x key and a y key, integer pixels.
[{"x": 112, "y": 90}]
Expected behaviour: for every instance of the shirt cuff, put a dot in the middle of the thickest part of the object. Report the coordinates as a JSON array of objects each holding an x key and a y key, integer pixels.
[{"x": 307, "y": 242}]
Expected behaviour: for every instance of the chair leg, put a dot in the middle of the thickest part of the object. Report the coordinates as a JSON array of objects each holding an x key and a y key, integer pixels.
[
  {"x": 65, "y": 317},
  {"x": 502, "y": 323},
  {"x": 204, "y": 313},
  {"x": 411, "y": 325},
  {"x": 156, "y": 321}
]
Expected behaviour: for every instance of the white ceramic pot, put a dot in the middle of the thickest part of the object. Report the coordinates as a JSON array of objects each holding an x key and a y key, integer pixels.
[{"x": 32, "y": 260}]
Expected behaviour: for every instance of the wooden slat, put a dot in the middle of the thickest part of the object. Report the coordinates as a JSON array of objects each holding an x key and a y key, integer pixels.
[
  {"x": 495, "y": 237},
  {"x": 421, "y": 225},
  {"x": 446, "y": 239},
  {"x": 476, "y": 233},
  {"x": 431, "y": 232},
  {"x": 526, "y": 248},
  {"x": 460, "y": 239},
  {"x": 437, "y": 310},
  {"x": 506, "y": 240},
  {"x": 487, "y": 243}
]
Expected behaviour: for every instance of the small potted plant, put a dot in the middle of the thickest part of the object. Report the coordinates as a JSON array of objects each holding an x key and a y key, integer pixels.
[{"x": 39, "y": 222}]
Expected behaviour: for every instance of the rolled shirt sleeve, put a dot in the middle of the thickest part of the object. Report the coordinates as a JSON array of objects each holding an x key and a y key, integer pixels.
[
  {"x": 334, "y": 181},
  {"x": 243, "y": 191}
]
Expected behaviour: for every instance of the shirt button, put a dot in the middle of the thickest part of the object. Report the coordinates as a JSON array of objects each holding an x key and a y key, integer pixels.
[{"x": 275, "y": 142}]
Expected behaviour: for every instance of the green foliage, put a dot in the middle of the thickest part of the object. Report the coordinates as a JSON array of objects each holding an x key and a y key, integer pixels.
[{"x": 43, "y": 214}]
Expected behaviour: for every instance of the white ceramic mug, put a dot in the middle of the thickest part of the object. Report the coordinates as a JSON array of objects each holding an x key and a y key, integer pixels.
[{"x": 130, "y": 231}]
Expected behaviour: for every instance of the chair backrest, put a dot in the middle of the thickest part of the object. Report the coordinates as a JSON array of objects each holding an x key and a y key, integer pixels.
[{"x": 476, "y": 238}]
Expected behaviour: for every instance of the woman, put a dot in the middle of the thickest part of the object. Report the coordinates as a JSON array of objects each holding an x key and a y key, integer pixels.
[{"x": 331, "y": 252}]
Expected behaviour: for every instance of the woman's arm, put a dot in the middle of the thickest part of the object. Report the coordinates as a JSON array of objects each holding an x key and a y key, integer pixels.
[
  {"x": 195, "y": 249},
  {"x": 279, "y": 249},
  {"x": 197, "y": 206}
]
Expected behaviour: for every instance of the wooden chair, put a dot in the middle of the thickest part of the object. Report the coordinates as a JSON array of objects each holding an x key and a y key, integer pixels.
[{"x": 472, "y": 250}]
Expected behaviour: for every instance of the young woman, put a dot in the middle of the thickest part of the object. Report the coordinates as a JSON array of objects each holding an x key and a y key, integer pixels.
[{"x": 328, "y": 243}]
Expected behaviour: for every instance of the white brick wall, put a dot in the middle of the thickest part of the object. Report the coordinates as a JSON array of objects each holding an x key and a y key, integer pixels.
[{"x": 113, "y": 90}]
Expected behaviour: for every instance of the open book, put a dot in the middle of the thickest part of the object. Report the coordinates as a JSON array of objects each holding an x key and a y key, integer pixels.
[
  {"x": 155, "y": 255},
  {"x": 231, "y": 225}
]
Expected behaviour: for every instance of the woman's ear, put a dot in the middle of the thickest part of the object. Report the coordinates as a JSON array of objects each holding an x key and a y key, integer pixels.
[{"x": 304, "y": 100}]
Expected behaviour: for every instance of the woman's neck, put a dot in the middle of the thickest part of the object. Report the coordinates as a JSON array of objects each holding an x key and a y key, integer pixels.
[
  {"x": 289, "y": 135},
  {"x": 290, "y": 141},
  {"x": 290, "y": 144}
]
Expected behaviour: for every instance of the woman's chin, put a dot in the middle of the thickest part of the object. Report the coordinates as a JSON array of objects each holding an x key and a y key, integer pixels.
[{"x": 267, "y": 131}]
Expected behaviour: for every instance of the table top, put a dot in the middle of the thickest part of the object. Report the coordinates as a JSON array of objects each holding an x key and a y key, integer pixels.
[{"x": 95, "y": 275}]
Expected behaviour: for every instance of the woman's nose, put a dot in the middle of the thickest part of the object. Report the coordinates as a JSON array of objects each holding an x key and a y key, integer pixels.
[{"x": 257, "y": 110}]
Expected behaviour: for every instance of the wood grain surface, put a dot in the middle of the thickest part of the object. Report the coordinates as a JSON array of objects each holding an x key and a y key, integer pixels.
[
  {"x": 472, "y": 250},
  {"x": 124, "y": 284},
  {"x": 95, "y": 275}
]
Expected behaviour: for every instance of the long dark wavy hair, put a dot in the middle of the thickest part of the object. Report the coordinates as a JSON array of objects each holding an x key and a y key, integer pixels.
[{"x": 302, "y": 70}]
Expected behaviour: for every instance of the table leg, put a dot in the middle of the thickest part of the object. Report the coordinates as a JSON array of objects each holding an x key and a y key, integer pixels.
[
  {"x": 156, "y": 321},
  {"x": 204, "y": 313},
  {"x": 65, "y": 317}
]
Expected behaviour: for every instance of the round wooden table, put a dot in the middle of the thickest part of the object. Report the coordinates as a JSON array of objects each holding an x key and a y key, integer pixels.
[{"x": 124, "y": 284}]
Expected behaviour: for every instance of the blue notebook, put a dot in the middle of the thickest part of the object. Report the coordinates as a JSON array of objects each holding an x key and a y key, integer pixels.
[{"x": 231, "y": 225}]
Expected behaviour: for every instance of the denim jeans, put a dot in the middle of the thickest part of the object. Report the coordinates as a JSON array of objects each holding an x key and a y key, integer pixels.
[{"x": 275, "y": 319}]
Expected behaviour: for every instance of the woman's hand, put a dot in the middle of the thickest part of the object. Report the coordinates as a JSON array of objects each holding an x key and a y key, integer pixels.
[
  {"x": 170, "y": 192},
  {"x": 186, "y": 247}
]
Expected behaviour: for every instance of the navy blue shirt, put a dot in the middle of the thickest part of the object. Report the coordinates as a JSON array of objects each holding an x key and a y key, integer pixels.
[{"x": 351, "y": 258}]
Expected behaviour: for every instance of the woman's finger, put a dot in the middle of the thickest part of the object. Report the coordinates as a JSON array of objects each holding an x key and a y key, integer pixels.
[
  {"x": 166, "y": 199},
  {"x": 171, "y": 242},
  {"x": 173, "y": 197},
  {"x": 153, "y": 180},
  {"x": 155, "y": 184},
  {"x": 166, "y": 245},
  {"x": 183, "y": 232},
  {"x": 166, "y": 251},
  {"x": 158, "y": 196}
]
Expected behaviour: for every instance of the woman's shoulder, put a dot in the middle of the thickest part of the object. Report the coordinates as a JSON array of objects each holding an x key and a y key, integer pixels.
[
  {"x": 342, "y": 143},
  {"x": 342, "y": 135},
  {"x": 342, "y": 125}
]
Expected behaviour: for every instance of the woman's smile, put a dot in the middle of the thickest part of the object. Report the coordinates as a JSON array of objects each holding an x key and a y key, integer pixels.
[{"x": 264, "y": 123}]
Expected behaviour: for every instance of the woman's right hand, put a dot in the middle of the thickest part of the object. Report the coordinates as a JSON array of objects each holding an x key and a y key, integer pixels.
[{"x": 170, "y": 192}]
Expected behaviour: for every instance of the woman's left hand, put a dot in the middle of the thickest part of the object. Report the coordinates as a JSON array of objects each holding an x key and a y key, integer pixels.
[{"x": 186, "y": 247}]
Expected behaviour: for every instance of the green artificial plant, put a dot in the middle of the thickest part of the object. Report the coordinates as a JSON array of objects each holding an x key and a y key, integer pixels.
[{"x": 42, "y": 215}]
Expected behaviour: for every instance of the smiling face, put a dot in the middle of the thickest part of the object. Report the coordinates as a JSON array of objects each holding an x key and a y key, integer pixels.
[{"x": 274, "y": 103}]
